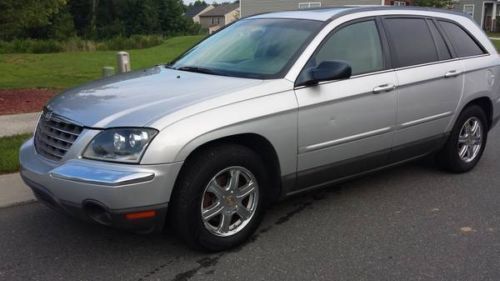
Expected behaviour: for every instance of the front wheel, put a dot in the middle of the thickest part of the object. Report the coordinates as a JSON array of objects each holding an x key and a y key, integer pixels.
[
  {"x": 467, "y": 141},
  {"x": 219, "y": 199}
]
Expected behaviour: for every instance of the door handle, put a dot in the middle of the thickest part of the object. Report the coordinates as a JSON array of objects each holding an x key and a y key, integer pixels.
[
  {"x": 384, "y": 88},
  {"x": 451, "y": 73}
]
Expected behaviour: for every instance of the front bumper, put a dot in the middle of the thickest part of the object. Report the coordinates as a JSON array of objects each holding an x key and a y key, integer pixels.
[{"x": 127, "y": 196}]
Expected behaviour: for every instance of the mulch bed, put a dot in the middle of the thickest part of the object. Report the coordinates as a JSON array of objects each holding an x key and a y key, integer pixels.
[{"x": 15, "y": 101}]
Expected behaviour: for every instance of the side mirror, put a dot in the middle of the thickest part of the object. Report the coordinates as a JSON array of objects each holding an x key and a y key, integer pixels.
[{"x": 328, "y": 71}]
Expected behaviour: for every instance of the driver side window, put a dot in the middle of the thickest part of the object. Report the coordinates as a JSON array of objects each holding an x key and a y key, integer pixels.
[{"x": 357, "y": 44}]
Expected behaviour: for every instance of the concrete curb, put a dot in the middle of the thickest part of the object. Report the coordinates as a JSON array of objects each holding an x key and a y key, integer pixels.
[
  {"x": 18, "y": 123},
  {"x": 13, "y": 191}
]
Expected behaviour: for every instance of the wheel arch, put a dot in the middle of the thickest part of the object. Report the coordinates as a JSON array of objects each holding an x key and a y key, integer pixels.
[
  {"x": 255, "y": 142},
  {"x": 486, "y": 105}
]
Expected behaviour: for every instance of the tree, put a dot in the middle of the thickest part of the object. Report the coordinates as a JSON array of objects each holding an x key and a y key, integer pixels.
[
  {"x": 92, "y": 19},
  {"x": 23, "y": 18},
  {"x": 80, "y": 11},
  {"x": 93, "y": 16},
  {"x": 61, "y": 25},
  {"x": 198, "y": 3},
  {"x": 106, "y": 20},
  {"x": 142, "y": 17},
  {"x": 433, "y": 3},
  {"x": 171, "y": 16}
]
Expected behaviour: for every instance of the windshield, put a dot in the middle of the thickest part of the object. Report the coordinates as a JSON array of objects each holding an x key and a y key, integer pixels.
[{"x": 252, "y": 48}]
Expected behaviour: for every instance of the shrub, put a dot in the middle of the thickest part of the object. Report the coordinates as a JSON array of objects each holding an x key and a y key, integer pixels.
[
  {"x": 76, "y": 44},
  {"x": 132, "y": 42},
  {"x": 46, "y": 46},
  {"x": 30, "y": 46}
]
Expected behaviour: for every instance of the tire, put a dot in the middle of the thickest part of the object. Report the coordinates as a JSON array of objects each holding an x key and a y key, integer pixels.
[
  {"x": 202, "y": 188},
  {"x": 450, "y": 158}
]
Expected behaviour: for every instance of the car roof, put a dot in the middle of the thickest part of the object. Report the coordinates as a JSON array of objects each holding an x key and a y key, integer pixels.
[{"x": 328, "y": 13}]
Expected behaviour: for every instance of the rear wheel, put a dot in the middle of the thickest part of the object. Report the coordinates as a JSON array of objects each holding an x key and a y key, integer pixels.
[
  {"x": 467, "y": 141},
  {"x": 219, "y": 199}
]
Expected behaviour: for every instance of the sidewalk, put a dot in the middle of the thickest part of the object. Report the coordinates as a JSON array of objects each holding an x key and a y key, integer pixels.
[
  {"x": 18, "y": 123},
  {"x": 13, "y": 191}
]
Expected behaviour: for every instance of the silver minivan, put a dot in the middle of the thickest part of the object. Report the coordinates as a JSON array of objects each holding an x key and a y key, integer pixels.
[{"x": 272, "y": 105}]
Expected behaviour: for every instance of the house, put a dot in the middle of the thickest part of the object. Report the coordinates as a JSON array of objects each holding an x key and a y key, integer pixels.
[
  {"x": 483, "y": 12},
  {"x": 194, "y": 12},
  {"x": 220, "y": 16},
  {"x": 399, "y": 2},
  {"x": 252, "y": 7}
]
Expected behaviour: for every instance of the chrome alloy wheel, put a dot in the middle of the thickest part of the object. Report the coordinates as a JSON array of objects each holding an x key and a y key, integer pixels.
[
  {"x": 229, "y": 201},
  {"x": 470, "y": 140}
]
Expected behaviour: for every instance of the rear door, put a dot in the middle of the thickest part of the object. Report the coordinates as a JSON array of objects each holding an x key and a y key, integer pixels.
[{"x": 430, "y": 84}]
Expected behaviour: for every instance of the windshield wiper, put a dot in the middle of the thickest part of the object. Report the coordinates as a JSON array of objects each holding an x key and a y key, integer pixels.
[{"x": 197, "y": 69}]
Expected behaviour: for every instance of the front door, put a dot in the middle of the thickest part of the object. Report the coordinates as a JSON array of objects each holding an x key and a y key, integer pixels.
[{"x": 346, "y": 127}]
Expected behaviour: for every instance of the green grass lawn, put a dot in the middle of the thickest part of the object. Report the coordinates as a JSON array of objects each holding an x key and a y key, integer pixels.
[
  {"x": 63, "y": 70},
  {"x": 493, "y": 34},
  {"x": 497, "y": 44},
  {"x": 9, "y": 152}
]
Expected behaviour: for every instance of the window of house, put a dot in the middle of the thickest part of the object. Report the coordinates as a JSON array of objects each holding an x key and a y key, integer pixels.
[
  {"x": 469, "y": 10},
  {"x": 411, "y": 40},
  {"x": 463, "y": 44},
  {"x": 307, "y": 5},
  {"x": 357, "y": 44},
  {"x": 215, "y": 20},
  {"x": 399, "y": 3}
]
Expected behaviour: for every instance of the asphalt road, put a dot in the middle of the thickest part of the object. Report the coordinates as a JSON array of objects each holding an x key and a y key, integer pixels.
[{"x": 408, "y": 223}]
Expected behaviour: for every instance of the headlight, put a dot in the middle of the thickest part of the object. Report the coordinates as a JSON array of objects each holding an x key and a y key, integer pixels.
[{"x": 120, "y": 145}]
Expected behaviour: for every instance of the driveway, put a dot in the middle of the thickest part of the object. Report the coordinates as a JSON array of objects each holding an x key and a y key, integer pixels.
[{"x": 408, "y": 223}]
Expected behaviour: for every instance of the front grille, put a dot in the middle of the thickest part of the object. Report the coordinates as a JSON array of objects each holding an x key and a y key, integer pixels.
[{"x": 54, "y": 136}]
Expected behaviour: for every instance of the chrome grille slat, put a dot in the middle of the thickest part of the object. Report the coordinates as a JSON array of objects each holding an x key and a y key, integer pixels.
[
  {"x": 55, "y": 145},
  {"x": 61, "y": 138},
  {"x": 54, "y": 152},
  {"x": 54, "y": 136},
  {"x": 67, "y": 132}
]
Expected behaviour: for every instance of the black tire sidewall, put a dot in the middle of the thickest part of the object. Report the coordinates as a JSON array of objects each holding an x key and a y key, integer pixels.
[
  {"x": 194, "y": 181},
  {"x": 451, "y": 160}
]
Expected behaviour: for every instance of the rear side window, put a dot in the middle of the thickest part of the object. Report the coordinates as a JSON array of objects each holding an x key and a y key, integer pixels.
[
  {"x": 462, "y": 43},
  {"x": 411, "y": 41},
  {"x": 443, "y": 51}
]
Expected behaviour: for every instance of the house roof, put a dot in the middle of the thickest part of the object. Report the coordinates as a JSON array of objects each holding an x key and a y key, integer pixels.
[
  {"x": 195, "y": 10},
  {"x": 221, "y": 10}
]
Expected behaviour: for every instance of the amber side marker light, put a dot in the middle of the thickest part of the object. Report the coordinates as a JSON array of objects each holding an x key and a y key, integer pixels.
[{"x": 140, "y": 215}]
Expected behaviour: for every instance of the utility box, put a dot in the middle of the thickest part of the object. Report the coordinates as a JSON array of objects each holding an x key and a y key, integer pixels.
[
  {"x": 123, "y": 62},
  {"x": 108, "y": 71}
]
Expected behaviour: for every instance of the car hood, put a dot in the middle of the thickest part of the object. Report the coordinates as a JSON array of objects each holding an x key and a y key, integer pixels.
[{"x": 140, "y": 97}]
